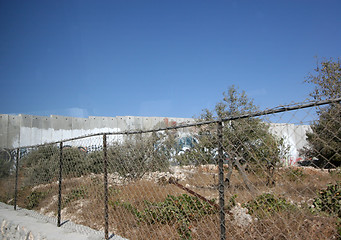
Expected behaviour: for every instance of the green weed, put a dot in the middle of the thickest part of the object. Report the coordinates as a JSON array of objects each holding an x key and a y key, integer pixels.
[
  {"x": 267, "y": 204},
  {"x": 180, "y": 210},
  {"x": 34, "y": 199},
  {"x": 329, "y": 200},
  {"x": 295, "y": 175},
  {"x": 75, "y": 194}
]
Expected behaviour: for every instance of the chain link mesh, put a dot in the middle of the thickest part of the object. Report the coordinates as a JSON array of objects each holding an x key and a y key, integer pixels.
[
  {"x": 280, "y": 181},
  {"x": 7, "y": 175}
]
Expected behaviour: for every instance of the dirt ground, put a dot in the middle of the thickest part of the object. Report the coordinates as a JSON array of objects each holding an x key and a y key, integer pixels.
[{"x": 83, "y": 203}]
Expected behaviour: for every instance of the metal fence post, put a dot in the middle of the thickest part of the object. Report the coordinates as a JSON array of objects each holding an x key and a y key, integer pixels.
[
  {"x": 105, "y": 163},
  {"x": 16, "y": 179},
  {"x": 221, "y": 180},
  {"x": 60, "y": 183}
]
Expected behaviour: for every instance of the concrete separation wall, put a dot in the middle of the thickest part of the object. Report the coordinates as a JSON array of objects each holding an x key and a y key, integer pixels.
[
  {"x": 27, "y": 130},
  {"x": 294, "y": 137},
  {"x": 29, "y": 225}
]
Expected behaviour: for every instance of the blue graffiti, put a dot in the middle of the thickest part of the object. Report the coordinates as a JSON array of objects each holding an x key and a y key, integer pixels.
[{"x": 185, "y": 143}]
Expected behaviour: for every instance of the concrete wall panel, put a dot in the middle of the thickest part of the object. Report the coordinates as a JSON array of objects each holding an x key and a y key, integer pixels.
[
  {"x": 121, "y": 123},
  {"x": 300, "y": 135},
  {"x": 13, "y": 137},
  {"x": 60, "y": 126},
  {"x": 26, "y": 130},
  {"x": 105, "y": 124},
  {"x": 98, "y": 124},
  {"x": 112, "y": 124},
  {"x": 3, "y": 130},
  {"x": 158, "y": 122},
  {"x": 67, "y": 130},
  {"x": 113, "y": 127},
  {"x": 147, "y": 123},
  {"x": 80, "y": 127},
  {"x": 137, "y": 123},
  {"x": 38, "y": 130},
  {"x": 26, "y": 120},
  {"x": 130, "y": 121},
  {"x": 47, "y": 130},
  {"x": 80, "y": 123}
]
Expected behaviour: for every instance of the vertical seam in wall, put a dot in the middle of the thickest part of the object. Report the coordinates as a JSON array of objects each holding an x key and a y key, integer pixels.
[
  {"x": 7, "y": 142},
  {"x": 19, "y": 130}
]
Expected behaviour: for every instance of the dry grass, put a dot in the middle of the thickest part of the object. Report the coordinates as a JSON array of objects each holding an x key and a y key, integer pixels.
[
  {"x": 292, "y": 225},
  {"x": 83, "y": 203},
  {"x": 7, "y": 189}
]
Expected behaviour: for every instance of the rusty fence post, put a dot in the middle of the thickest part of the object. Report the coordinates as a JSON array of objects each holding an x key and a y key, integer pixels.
[
  {"x": 105, "y": 164},
  {"x": 60, "y": 184},
  {"x": 221, "y": 180},
  {"x": 16, "y": 179}
]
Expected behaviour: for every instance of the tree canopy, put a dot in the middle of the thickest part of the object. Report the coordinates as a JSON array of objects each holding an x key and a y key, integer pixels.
[
  {"x": 248, "y": 139},
  {"x": 326, "y": 80},
  {"x": 325, "y": 138}
]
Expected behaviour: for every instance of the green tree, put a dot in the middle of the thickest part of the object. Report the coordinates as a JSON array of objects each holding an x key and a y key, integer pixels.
[
  {"x": 325, "y": 138},
  {"x": 247, "y": 139},
  {"x": 40, "y": 164},
  {"x": 138, "y": 155},
  {"x": 326, "y": 80}
]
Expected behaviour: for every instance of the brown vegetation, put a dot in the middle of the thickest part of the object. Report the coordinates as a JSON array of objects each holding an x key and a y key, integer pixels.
[{"x": 83, "y": 203}]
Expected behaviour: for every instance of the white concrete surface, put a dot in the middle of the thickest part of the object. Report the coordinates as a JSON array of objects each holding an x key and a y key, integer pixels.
[
  {"x": 27, "y": 130},
  {"x": 25, "y": 224}
]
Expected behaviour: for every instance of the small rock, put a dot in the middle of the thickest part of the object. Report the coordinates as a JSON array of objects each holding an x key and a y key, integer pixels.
[{"x": 241, "y": 218}]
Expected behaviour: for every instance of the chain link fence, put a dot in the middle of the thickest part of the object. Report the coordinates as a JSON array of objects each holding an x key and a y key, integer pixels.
[{"x": 235, "y": 178}]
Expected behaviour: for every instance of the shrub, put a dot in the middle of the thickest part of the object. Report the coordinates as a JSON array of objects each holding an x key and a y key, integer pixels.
[
  {"x": 133, "y": 158},
  {"x": 267, "y": 204},
  {"x": 74, "y": 162},
  {"x": 94, "y": 161},
  {"x": 179, "y": 210},
  {"x": 6, "y": 163},
  {"x": 41, "y": 164},
  {"x": 295, "y": 174},
  {"x": 329, "y": 200},
  {"x": 34, "y": 199},
  {"x": 75, "y": 194}
]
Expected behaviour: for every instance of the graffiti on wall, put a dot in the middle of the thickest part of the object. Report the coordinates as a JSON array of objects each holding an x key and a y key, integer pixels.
[{"x": 291, "y": 161}]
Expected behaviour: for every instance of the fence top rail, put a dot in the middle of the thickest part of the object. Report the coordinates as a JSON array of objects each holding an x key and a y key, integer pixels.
[{"x": 275, "y": 110}]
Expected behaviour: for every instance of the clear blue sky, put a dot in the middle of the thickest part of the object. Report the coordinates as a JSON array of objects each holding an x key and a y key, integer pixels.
[{"x": 159, "y": 58}]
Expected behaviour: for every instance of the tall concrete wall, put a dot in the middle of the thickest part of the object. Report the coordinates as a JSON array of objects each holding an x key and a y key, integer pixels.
[
  {"x": 3, "y": 130},
  {"x": 294, "y": 137},
  {"x": 27, "y": 130}
]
